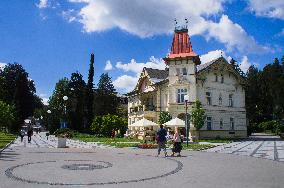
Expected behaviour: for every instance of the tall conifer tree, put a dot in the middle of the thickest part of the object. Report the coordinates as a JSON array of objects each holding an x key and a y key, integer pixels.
[{"x": 90, "y": 92}]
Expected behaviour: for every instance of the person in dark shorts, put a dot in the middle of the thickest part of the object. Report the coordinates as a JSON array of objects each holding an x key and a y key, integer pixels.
[
  {"x": 30, "y": 133},
  {"x": 161, "y": 140},
  {"x": 22, "y": 134}
]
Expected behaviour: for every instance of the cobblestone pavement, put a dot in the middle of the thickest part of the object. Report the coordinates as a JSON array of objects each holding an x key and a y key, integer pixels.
[
  {"x": 260, "y": 146},
  {"x": 40, "y": 141}
]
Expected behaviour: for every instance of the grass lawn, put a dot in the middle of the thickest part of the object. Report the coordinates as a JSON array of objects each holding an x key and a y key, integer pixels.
[
  {"x": 197, "y": 146},
  {"x": 92, "y": 138},
  {"x": 5, "y": 138}
]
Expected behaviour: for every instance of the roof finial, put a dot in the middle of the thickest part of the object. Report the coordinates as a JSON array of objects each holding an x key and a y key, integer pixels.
[
  {"x": 186, "y": 23},
  {"x": 221, "y": 53},
  {"x": 176, "y": 23}
]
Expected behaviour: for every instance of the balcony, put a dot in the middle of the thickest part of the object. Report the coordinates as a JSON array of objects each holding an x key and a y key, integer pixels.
[{"x": 143, "y": 111}]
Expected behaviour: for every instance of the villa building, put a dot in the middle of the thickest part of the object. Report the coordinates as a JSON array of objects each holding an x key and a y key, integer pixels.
[{"x": 217, "y": 84}]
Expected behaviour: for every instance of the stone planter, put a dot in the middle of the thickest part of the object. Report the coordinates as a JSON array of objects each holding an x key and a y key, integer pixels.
[{"x": 61, "y": 142}]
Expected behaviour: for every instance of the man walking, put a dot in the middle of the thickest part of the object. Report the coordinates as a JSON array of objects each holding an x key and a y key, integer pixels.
[
  {"x": 161, "y": 140},
  {"x": 30, "y": 133}
]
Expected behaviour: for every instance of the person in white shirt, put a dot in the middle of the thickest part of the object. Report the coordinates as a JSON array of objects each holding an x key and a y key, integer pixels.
[{"x": 177, "y": 143}]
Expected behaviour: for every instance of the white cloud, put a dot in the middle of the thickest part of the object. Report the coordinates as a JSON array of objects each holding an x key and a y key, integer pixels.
[
  {"x": 234, "y": 36},
  {"x": 45, "y": 101},
  {"x": 151, "y": 17},
  {"x": 213, "y": 55},
  {"x": 42, "y": 4},
  {"x": 144, "y": 18},
  {"x": 135, "y": 67},
  {"x": 125, "y": 82},
  {"x": 267, "y": 8},
  {"x": 244, "y": 65},
  {"x": 2, "y": 65},
  {"x": 108, "y": 66},
  {"x": 69, "y": 15}
]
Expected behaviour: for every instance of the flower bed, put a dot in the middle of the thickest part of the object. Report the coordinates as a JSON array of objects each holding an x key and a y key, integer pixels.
[{"x": 147, "y": 146}]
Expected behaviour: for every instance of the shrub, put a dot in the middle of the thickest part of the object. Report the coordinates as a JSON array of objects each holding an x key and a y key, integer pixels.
[
  {"x": 65, "y": 132},
  {"x": 105, "y": 125},
  {"x": 274, "y": 126}
]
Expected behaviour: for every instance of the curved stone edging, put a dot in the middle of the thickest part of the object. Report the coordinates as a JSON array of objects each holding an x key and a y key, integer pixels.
[{"x": 9, "y": 173}]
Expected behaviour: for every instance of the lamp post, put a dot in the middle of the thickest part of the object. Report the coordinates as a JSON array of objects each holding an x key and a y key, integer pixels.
[
  {"x": 48, "y": 121},
  {"x": 65, "y": 98},
  {"x": 186, "y": 99}
]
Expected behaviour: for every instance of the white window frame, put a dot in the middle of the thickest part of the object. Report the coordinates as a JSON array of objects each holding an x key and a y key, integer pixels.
[
  {"x": 231, "y": 102},
  {"x": 208, "y": 98},
  {"x": 209, "y": 120},
  {"x": 180, "y": 95},
  {"x": 232, "y": 123}
]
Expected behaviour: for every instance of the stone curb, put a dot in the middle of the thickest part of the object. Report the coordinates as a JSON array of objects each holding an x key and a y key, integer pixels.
[{"x": 1, "y": 150}]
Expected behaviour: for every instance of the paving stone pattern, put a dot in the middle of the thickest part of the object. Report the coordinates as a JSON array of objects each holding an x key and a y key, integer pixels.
[
  {"x": 268, "y": 147},
  {"x": 40, "y": 141}
]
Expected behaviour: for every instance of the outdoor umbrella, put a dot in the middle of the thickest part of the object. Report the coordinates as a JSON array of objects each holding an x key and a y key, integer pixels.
[
  {"x": 176, "y": 122},
  {"x": 143, "y": 123}
]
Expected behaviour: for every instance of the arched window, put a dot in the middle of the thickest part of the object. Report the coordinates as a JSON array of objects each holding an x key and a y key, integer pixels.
[{"x": 221, "y": 123}]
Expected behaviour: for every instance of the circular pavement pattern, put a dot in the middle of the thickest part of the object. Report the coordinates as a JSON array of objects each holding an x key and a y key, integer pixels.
[{"x": 108, "y": 170}]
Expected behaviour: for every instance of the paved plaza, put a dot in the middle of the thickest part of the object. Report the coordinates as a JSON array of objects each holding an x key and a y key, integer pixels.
[
  {"x": 41, "y": 164},
  {"x": 260, "y": 146}
]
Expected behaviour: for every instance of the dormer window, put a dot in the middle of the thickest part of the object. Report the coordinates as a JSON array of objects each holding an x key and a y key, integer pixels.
[{"x": 184, "y": 72}]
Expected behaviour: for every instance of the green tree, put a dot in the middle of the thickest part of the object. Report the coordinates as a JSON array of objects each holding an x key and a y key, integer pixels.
[
  {"x": 106, "y": 100},
  {"x": 198, "y": 115},
  {"x": 77, "y": 99},
  {"x": 19, "y": 91},
  {"x": 7, "y": 116},
  {"x": 90, "y": 92},
  {"x": 164, "y": 117},
  {"x": 56, "y": 104},
  {"x": 105, "y": 125}
]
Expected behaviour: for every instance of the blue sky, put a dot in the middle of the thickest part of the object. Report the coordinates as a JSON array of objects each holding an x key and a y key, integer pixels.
[{"x": 53, "y": 38}]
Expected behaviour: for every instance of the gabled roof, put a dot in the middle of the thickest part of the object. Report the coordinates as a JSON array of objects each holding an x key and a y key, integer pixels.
[
  {"x": 205, "y": 65},
  {"x": 157, "y": 73}
]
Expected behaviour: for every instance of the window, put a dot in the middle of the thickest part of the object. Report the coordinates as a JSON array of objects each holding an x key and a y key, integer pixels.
[
  {"x": 208, "y": 98},
  {"x": 209, "y": 123},
  {"x": 178, "y": 71},
  {"x": 184, "y": 72},
  {"x": 216, "y": 77},
  {"x": 221, "y": 123},
  {"x": 222, "y": 78},
  {"x": 231, "y": 100},
  {"x": 180, "y": 95},
  {"x": 220, "y": 99},
  {"x": 232, "y": 124}
]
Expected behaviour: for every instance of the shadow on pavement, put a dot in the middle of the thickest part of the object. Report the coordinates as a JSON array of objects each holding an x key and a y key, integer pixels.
[{"x": 8, "y": 155}]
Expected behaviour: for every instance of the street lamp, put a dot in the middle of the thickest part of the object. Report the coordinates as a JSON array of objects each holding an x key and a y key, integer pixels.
[
  {"x": 48, "y": 121},
  {"x": 186, "y": 99},
  {"x": 65, "y": 98}
]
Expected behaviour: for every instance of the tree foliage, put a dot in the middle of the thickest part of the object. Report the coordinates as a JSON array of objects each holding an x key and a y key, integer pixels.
[
  {"x": 105, "y": 97},
  {"x": 90, "y": 92},
  {"x": 105, "y": 125},
  {"x": 7, "y": 116},
  {"x": 164, "y": 117},
  {"x": 198, "y": 115}
]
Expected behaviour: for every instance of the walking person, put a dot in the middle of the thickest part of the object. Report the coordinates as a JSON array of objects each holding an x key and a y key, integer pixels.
[
  {"x": 161, "y": 140},
  {"x": 22, "y": 134},
  {"x": 30, "y": 133},
  {"x": 177, "y": 143}
]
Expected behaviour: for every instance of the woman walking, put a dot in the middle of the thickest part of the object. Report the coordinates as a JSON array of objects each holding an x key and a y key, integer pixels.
[{"x": 177, "y": 143}]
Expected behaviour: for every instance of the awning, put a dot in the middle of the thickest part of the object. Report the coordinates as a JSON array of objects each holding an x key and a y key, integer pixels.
[{"x": 176, "y": 122}]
